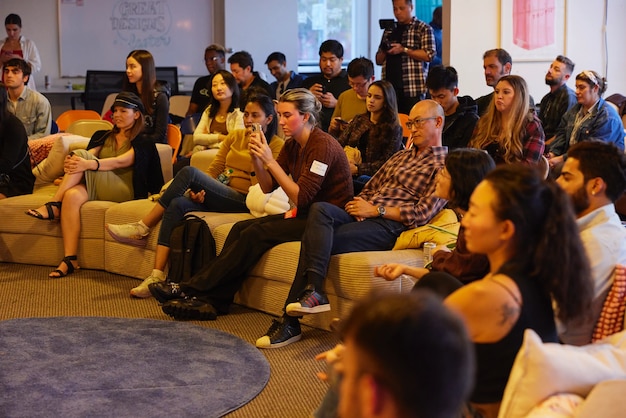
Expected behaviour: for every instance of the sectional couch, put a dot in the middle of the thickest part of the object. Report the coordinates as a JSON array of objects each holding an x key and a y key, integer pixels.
[{"x": 24, "y": 239}]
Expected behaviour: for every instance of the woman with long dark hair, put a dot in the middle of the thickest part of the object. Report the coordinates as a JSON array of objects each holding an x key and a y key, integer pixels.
[
  {"x": 377, "y": 134},
  {"x": 155, "y": 95}
]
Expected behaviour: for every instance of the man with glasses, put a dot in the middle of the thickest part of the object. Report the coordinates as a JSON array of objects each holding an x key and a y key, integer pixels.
[
  {"x": 215, "y": 60},
  {"x": 332, "y": 81},
  {"x": 352, "y": 102},
  {"x": 399, "y": 196}
]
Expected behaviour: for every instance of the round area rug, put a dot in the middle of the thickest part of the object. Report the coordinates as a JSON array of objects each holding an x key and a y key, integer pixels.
[{"x": 118, "y": 367}]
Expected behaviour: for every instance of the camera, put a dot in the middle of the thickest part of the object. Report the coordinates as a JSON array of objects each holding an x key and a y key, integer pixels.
[{"x": 389, "y": 26}]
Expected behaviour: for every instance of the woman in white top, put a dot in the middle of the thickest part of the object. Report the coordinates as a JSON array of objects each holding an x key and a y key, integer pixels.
[
  {"x": 222, "y": 115},
  {"x": 16, "y": 46}
]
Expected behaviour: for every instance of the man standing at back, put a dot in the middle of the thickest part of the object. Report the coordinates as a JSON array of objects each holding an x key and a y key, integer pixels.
[
  {"x": 331, "y": 82},
  {"x": 594, "y": 176},
  {"x": 215, "y": 60},
  {"x": 560, "y": 99},
  {"x": 404, "y": 53},
  {"x": 30, "y": 106},
  {"x": 285, "y": 79}
]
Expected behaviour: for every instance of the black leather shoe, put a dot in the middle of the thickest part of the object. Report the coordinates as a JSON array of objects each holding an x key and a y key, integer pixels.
[
  {"x": 164, "y": 292},
  {"x": 190, "y": 309}
]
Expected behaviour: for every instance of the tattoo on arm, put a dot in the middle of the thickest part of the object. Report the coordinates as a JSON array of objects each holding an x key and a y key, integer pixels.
[{"x": 509, "y": 314}]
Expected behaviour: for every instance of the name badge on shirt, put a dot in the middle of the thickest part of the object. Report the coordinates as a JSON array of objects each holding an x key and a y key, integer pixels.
[{"x": 319, "y": 168}]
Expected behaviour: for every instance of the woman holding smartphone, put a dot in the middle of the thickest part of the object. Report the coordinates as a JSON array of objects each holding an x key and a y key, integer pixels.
[{"x": 222, "y": 189}]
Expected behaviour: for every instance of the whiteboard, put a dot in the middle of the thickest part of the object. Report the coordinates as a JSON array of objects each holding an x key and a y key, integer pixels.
[{"x": 99, "y": 34}]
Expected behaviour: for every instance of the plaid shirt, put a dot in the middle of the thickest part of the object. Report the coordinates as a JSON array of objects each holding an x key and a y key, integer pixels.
[
  {"x": 407, "y": 181},
  {"x": 533, "y": 145},
  {"x": 419, "y": 35}
]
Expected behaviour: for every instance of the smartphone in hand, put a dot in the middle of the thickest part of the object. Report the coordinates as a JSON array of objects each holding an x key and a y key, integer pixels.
[{"x": 195, "y": 187}]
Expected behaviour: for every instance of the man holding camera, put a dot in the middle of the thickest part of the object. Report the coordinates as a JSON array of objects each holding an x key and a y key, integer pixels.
[{"x": 405, "y": 50}]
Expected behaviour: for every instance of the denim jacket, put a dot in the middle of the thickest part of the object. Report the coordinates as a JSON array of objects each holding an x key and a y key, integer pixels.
[{"x": 604, "y": 124}]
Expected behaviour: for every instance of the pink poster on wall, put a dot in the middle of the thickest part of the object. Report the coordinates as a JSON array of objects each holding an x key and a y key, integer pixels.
[
  {"x": 533, "y": 23},
  {"x": 533, "y": 30}
]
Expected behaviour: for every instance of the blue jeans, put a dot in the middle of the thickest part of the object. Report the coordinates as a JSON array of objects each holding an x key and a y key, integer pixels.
[
  {"x": 218, "y": 198},
  {"x": 331, "y": 230}
]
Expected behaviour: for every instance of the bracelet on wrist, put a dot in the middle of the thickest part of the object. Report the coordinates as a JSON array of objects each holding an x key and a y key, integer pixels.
[{"x": 97, "y": 164}]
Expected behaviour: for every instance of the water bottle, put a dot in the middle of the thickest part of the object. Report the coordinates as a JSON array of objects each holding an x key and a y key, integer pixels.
[{"x": 46, "y": 82}]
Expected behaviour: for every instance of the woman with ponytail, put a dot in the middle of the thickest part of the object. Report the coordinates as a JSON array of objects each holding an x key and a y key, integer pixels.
[{"x": 527, "y": 229}]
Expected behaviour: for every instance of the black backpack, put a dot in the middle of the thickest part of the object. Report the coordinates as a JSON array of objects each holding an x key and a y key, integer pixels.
[{"x": 192, "y": 246}]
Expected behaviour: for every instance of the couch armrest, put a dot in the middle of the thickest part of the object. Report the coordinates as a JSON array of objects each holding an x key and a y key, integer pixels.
[
  {"x": 202, "y": 159},
  {"x": 165, "y": 154}
]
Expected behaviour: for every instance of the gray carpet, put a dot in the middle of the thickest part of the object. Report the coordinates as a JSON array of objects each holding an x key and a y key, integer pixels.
[
  {"x": 103, "y": 367},
  {"x": 293, "y": 391}
]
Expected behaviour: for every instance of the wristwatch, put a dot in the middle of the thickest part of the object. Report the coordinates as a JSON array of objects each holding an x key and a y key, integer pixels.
[
  {"x": 406, "y": 50},
  {"x": 381, "y": 211}
]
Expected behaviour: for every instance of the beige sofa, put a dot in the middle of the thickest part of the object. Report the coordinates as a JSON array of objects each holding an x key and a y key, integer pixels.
[{"x": 24, "y": 239}]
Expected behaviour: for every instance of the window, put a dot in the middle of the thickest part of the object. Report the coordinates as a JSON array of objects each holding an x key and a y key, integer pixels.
[{"x": 319, "y": 20}]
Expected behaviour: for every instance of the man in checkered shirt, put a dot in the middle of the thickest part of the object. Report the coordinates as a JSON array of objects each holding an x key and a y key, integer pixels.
[
  {"x": 405, "y": 53},
  {"x": 399, "y": 196}
]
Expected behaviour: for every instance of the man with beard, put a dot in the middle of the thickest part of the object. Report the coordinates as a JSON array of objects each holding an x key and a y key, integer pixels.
[
  {"x": 496, "y": 63},
  {"x": 594, "y": 175},
  {"x": 405, "y": 356},
  {"x": 560, "y": 99}
]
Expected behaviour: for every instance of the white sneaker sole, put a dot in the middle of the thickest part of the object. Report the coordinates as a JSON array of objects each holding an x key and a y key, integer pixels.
[
  {"x": 137, "y": 242},
  {"x": 295, "y": 309}
]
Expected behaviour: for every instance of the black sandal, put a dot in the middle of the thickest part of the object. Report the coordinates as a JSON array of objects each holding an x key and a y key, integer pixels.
[
  {"x": 49, "y": 205},
  {"x": 70, "y": 267}
]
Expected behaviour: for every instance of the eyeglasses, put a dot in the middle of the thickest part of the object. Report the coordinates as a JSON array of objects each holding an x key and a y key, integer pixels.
[
  {"x": 357, "y": 85},
  {"x": 211, "y": 59},
  {"x": 417, "y": 122}
]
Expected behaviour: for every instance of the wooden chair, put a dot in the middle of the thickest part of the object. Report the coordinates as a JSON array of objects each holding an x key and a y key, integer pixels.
[
  {"x": 66, "y": 118},
  {"x": 87, "y": 127},
  {"x": 174, "y": 138}
]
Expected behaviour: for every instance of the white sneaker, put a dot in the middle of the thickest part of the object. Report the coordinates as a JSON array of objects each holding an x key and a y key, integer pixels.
[
  {"x": 142, "y": 290},
  {"x": 132, "y": 233}
]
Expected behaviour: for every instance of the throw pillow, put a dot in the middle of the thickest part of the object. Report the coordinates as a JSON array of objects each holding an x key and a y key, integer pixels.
[
  {"x": 542, "y": 370},
  {"x": 612, "y": 314},
  {"x": 52, "y": 166},
  {"x": 442, "y": 229}
]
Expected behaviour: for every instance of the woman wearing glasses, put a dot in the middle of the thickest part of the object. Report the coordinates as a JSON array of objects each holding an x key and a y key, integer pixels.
[
  {"x": 509, "y": 132},
  {"x": 376, "y": 133},
  {"x": 590, "y": 118}
]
